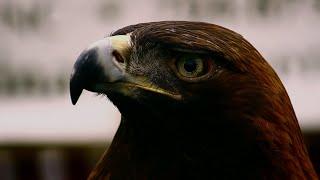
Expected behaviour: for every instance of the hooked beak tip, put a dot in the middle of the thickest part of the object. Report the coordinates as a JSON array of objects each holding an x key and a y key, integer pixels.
[
  {"x": 75, "y": 90},
  {"x": 96, "y": 65},
  {"x": 75, "y": 97}
]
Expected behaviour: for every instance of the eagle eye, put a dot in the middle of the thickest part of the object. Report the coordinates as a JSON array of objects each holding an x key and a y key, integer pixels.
[{"x": 191, "y": 67}]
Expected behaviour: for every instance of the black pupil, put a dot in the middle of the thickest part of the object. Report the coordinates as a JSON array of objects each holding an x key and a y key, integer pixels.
[{"x": 190, "y": 65}]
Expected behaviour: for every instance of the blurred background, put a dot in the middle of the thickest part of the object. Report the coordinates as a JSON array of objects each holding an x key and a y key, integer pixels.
[{"x": 43, "y": 136}]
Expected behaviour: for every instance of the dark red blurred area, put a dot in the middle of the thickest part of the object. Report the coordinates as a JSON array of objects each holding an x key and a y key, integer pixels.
[
  {"x": 48, "y": 161},
  {"x": 69, "y": 162},
  {"x": 313, "y": 143}
]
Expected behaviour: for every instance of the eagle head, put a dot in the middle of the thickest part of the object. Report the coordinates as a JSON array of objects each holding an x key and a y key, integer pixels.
[{"x": 197, "y": 100}]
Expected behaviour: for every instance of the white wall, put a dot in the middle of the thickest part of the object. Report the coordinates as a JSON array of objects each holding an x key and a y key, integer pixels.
[{"x": 287, "y": 34}]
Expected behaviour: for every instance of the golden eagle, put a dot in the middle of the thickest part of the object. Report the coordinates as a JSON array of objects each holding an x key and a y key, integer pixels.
[{"x": 197, "y": 101}]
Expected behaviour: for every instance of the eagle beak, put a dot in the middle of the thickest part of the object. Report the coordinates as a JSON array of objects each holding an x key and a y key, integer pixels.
[{"x": 100, "y": 63}]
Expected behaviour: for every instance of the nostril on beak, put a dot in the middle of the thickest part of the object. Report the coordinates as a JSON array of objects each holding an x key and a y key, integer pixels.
[{"x": 118, "y": 57}]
